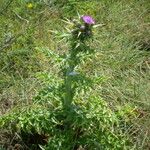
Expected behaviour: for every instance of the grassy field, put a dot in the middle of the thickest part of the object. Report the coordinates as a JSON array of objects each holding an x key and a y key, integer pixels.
[{"x": 122, "y": 55}]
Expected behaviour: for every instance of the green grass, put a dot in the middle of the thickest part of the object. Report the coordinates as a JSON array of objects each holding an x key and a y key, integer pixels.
[{"x": 121, "y": 55}]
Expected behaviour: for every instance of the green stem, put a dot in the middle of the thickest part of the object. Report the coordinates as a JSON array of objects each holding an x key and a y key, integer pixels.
[{"x": 69, "y": 90}]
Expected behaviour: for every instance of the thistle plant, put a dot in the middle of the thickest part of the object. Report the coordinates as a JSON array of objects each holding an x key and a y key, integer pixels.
[
  {"x": 81, "y": 32},
  {"x": 66, "y": 122}
]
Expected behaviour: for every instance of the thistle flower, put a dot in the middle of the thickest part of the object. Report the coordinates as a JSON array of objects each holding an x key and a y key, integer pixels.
[{"x": 88, "y": 20}]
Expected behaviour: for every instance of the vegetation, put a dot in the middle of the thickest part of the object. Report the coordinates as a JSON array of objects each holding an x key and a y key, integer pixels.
[{"x": 69, "y": 84}]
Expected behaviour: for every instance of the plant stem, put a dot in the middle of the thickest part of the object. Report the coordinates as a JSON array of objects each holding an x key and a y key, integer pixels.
[{"x": 72, "y": 63}]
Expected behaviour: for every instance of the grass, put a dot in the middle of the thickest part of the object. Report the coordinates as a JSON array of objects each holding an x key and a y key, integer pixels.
[{"x": 122, "y": 57}]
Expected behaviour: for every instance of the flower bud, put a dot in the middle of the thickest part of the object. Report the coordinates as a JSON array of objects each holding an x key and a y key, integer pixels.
[
  {"x": 89, "y": 32},
  {"x": 82, "y": 28}
]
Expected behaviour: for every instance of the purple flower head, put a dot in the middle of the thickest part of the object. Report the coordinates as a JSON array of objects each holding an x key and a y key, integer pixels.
[{"x": 88, "y": 20}]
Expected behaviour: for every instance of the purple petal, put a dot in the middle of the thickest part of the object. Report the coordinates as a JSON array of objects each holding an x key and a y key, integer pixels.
[{"x": 88, "y": 19}]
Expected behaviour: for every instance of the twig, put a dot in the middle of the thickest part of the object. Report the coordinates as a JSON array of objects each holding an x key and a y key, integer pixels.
[{"x": 21, "y": 17}]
